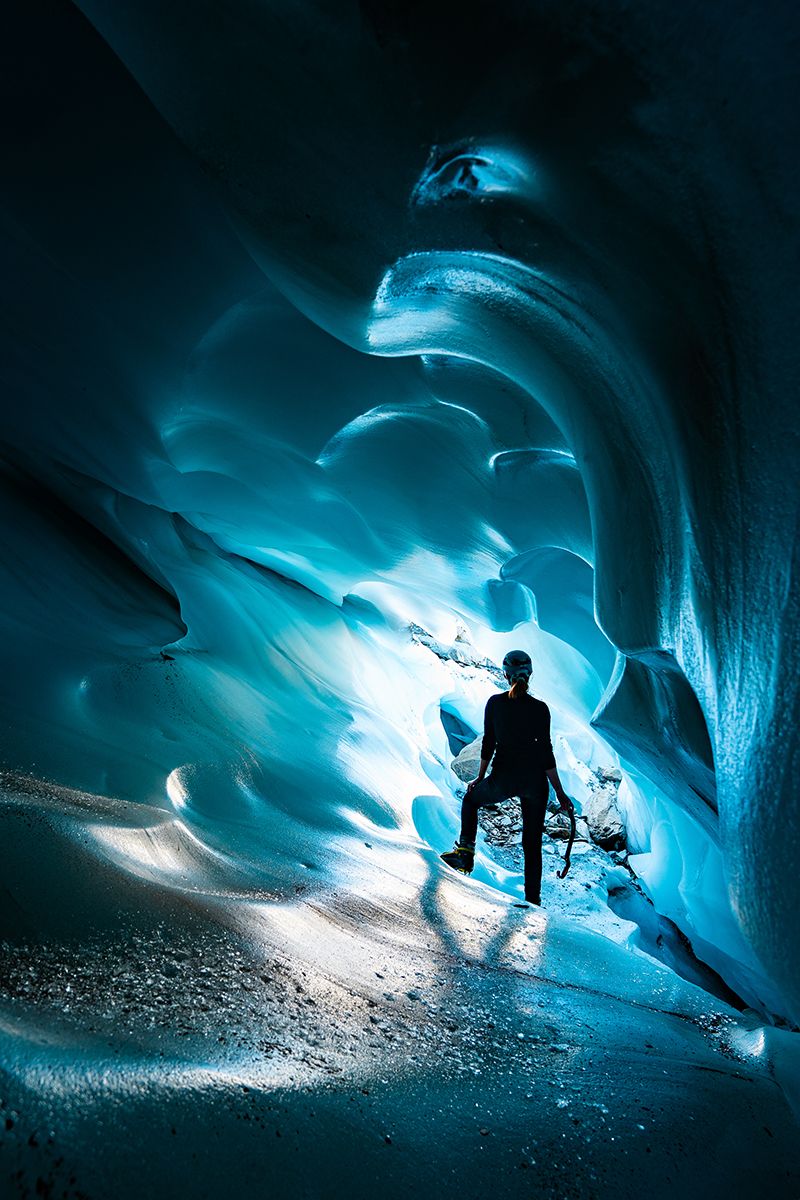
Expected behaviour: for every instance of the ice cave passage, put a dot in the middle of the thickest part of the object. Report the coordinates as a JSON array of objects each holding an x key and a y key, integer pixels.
[{"x": 346, "y": 348}]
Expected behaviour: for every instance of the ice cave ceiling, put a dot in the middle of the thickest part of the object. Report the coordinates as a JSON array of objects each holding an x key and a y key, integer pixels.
[{"x": 325, "y": 320}]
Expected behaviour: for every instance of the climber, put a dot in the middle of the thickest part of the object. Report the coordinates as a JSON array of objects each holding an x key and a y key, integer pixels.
[{"x": 517, "y": 733}]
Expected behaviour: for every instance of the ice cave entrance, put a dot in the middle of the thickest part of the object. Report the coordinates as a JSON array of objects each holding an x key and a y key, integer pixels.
[{"x": 629, "y": 872}]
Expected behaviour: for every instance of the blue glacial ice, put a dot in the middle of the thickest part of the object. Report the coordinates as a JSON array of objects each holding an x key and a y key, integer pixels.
[{"x": 344, "y": 352}]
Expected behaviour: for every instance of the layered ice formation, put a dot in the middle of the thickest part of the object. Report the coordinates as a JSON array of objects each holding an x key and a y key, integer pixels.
[{"x": 345, "y": 351}]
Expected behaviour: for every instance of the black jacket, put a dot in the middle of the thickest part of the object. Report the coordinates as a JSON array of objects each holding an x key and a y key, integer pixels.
[{"x": 517, "y": 732}]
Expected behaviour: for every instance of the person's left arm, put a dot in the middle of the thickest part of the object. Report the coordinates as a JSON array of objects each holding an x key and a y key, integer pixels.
[
  {"x": 552, "y": 770},
  {"x": 562, "y": 797}
]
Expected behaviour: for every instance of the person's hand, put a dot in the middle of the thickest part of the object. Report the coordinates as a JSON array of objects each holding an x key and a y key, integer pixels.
[
  {"x": 565, "y": 804},
  {"x": 471, "y": 785}
]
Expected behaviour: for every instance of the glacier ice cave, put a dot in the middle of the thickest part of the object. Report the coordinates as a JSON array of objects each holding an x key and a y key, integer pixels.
[{"x": 346, "y": 347}]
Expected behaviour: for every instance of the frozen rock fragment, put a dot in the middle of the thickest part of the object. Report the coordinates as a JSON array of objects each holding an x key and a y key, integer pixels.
[{"x": 604, "y": 819}]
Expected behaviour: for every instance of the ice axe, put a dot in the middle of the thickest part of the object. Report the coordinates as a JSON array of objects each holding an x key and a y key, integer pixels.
[{"x": 571, "y": 810}]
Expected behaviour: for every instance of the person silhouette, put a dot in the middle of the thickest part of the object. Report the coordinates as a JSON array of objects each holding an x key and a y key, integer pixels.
[{"x": 516, "y": 730}]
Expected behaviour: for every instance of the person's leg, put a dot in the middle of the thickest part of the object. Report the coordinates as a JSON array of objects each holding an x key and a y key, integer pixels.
[
  {"x": 488, "y": 791},
  {"x": 534, "y": 808}
]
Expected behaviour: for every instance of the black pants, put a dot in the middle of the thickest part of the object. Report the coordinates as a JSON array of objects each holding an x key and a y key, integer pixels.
[{"x": 533, "y": 794}]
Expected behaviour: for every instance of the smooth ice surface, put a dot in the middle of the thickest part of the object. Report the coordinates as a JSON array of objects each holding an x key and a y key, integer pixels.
[{"x": 342, "y": 354}]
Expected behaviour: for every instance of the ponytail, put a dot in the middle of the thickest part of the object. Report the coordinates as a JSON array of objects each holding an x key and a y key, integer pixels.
[{"x": 517, "y": 668}]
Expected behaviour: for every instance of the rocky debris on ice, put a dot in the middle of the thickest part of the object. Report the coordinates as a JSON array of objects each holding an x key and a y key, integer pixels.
[
  {"x": 557, "y": 825},
  {"x": 459, "y": 653},
  {"x": 502, "y": 825}
]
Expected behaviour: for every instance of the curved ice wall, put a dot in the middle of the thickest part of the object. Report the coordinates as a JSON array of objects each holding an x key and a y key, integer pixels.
[{"x": 565, "y": 236}]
